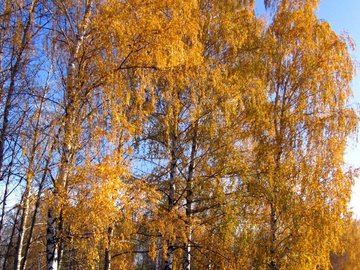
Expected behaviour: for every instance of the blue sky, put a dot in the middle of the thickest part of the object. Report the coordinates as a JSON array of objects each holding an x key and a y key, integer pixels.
[{"x": 344, "y": 17}]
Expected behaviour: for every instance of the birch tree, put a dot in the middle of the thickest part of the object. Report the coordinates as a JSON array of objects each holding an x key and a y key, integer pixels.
[{"x": 302, "y": 138}]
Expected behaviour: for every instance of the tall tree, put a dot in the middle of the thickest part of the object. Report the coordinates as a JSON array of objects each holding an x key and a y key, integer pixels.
[
  {"x": 109, "y": 67},
  {"x": 301, "y": 138}
]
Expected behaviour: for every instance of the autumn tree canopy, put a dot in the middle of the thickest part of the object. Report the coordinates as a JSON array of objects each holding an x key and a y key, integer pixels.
[{"x": 174, "y": 135}]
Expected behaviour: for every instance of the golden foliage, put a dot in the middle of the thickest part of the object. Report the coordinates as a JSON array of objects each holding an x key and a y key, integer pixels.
[{"x": 194, "y": 133}]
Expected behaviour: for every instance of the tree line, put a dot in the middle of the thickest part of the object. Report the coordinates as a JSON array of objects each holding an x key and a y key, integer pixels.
[{"x": 171, "y": 134}]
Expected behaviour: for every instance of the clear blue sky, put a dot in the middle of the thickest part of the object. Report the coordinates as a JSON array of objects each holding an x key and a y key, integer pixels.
[{"x": 344, "y": 17}]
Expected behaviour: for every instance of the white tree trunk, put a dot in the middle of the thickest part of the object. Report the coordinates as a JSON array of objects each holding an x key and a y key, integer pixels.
[
  {"x": 55, "y": 221},
  {"x": 51, "y": 244},
  {"x": 171, "y": 198},
  {"x": 189, "y": 201}
]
